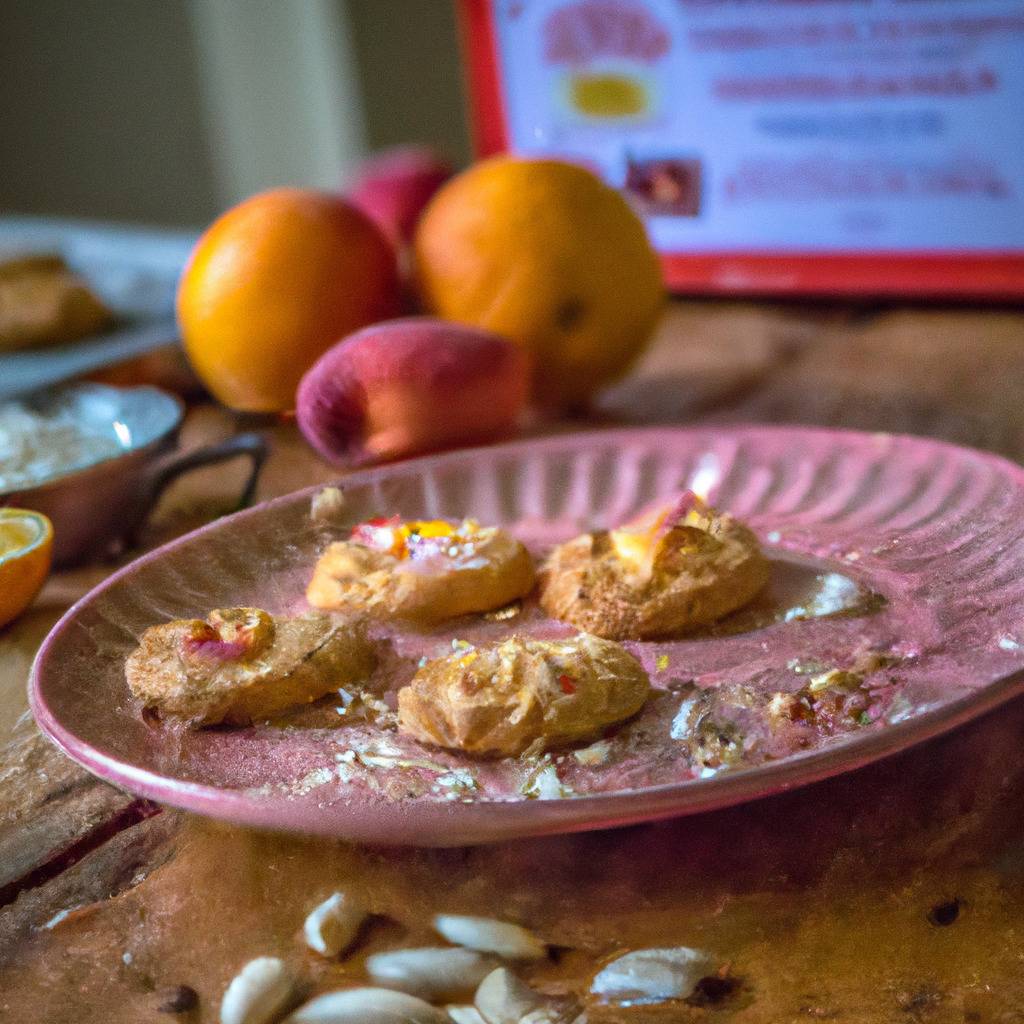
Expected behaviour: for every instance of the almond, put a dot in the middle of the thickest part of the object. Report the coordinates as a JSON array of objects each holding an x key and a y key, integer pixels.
[
  {"x": 258, "y": 994},
  {"x": 430, "y": 972},
  {"x": 331, "y": 927},
  {"x": 509, "y": 941},
  {"x": 465, "y": 1015},
  {"x": 502, "y": 998},
  {"x": 367, "y": 1006},
  {"x": 652, "y": 975}
]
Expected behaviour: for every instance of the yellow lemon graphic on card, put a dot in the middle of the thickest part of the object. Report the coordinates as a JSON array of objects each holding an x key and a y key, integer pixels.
[{"x": 608, "y": 95}]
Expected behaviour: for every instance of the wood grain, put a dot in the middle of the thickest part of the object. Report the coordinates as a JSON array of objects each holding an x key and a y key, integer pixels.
[{"x": 819, "y": 899}]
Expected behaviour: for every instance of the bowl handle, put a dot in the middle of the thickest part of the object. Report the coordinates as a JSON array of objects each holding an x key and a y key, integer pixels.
[{"x": 252, "y": 446}]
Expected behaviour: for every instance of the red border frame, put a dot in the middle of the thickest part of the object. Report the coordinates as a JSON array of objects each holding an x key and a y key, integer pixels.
[
  {"x": 480, "y": 55},
  {"x": 988, "y": 275}
]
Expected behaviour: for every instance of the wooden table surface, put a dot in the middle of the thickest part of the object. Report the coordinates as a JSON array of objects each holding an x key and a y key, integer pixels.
[{"x": 827, "y": 903}]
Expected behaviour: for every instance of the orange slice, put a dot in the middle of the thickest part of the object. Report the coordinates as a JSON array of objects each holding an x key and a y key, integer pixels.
[{"x": 26, "y": 549}]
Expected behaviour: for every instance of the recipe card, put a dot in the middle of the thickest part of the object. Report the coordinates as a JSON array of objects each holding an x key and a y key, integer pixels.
[{"x": 839, "y": 145}]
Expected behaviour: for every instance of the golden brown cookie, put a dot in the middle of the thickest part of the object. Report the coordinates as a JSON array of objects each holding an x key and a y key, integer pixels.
[
  {"x": 426, "y": 571},
  {"x": 499, "y": 700},
  {"x": 686, "y": 566},
  {"x": 43, "y": 302},
  {"x": 241, "y": 664}
]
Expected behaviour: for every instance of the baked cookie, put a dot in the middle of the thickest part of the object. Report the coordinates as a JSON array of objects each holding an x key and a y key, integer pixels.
[
  {"x": 425, "y": 571},
  {"x": 684, "y": 566},
  {"x": 501, "y": 699},
  {"x": 241, "y": 664},
  {"x": 43, "y": 302}
]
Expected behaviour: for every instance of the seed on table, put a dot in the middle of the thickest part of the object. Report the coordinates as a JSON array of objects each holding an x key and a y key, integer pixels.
[
  {"x": 487, "y": 935},
  {"x": 178, "y": 999},
  {"x": 464, "y": 1015},
  {"x": 555, "y": 1015},
  {"x": 367, "y": 1006},
  {"x": 502, "y": 998},
  {"x": 429, "y": 972},
  {"x": 258, "y": 994},
  {"x": 944, "y": 914},
  {"x": 331, "y": 927},
  {"x": 652, "y": 974}
]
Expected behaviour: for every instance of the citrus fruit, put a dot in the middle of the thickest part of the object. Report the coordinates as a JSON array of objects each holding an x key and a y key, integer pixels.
[
  {"x": 546, "y": 254},
  {"x": 273, "y": 284},
  {"x": 26, "y": 549}
]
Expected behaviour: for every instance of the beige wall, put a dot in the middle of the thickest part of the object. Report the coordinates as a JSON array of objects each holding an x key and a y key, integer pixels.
[
  {"x": 410, "y": 73},
  {"x": 281, "y": 93},
  {"x": 165, "y": 111},
  {"x": 100, "y": 111}
]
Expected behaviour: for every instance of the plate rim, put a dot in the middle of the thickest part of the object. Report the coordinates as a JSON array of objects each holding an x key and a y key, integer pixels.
[{"x": 592, "y": 811}]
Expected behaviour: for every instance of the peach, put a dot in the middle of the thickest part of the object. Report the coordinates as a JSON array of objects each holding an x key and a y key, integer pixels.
[
  {"x": 409, "y": 386},
  {"x": 394, "y": 186}
]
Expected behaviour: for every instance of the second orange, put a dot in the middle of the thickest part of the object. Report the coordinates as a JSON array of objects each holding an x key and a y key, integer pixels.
[{"x": 275, "y": 282}]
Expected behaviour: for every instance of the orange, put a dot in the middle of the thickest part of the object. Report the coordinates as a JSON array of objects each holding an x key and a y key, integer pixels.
[
  {"x": 273, "y": 284},
  {"x": 546, "y": 254},
  {"x": 26, "y": 550}
]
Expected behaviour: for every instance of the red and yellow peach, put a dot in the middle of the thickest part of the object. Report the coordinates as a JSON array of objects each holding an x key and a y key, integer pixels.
[{"x": 410, "y": 386}]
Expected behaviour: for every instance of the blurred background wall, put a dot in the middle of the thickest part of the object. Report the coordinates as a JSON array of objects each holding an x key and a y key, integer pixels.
[{"x": 166, "y": 111}]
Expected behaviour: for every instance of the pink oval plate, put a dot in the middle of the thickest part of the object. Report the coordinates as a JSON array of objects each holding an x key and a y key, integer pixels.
[{"x": 935, "y": 530}]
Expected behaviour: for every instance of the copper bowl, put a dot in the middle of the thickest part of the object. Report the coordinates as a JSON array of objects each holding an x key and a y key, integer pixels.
[{"x": 96, "y": 508}]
